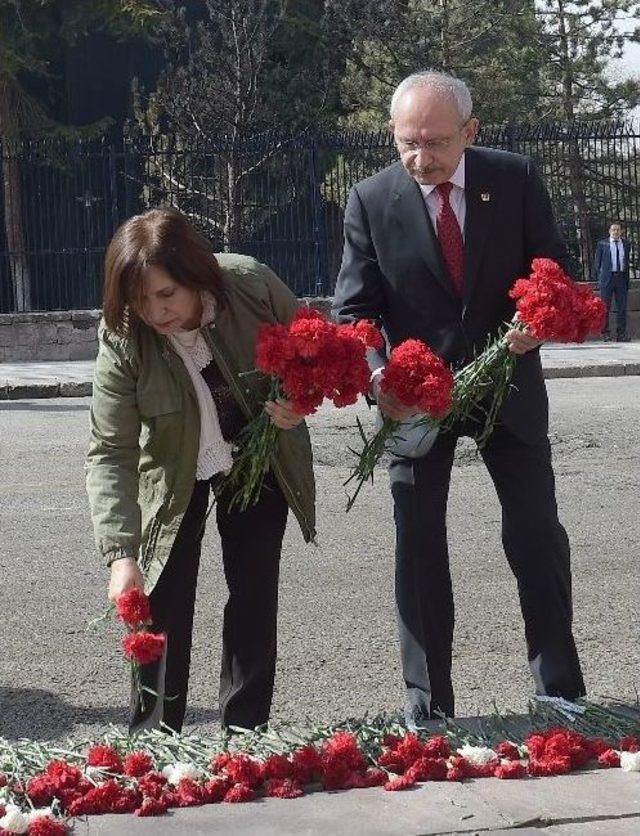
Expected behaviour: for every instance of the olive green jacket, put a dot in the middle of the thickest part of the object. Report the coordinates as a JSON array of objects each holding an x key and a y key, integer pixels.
[{"x": 145, "y": 422}]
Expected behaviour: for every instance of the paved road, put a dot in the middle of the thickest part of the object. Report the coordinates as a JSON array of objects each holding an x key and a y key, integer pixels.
[{"x": 338, "y": 652}]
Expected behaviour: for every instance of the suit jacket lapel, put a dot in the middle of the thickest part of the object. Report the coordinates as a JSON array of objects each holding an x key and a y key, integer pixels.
[
  {"x": 415, "y": 221},
  {"x": 480, "y": 200}
]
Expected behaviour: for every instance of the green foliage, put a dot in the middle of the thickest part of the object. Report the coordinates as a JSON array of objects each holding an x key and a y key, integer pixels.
[
  {"x": 489, "y": 43},
  {"x": 578, "y": 41},
  {"x": 34, "y": 35},
  {"x": 243, "y": 67}
]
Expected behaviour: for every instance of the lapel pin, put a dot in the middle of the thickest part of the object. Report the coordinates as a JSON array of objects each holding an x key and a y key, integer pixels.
[{"x": 485, "y": 197}]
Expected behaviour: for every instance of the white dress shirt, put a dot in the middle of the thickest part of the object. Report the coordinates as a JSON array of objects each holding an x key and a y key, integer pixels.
[
  {"x": 620, "y": 247},
  {"x": 456, "y": 198}
]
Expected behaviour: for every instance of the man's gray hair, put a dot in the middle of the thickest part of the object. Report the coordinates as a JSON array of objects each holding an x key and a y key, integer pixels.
[{"x": 453, "y": 89}]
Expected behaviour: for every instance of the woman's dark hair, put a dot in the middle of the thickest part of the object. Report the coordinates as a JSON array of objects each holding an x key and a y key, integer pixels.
[{"x": 161, "y": 238}]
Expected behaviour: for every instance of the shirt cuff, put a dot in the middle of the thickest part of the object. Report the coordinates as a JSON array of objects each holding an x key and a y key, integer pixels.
[{"x": 117, "y": 554}]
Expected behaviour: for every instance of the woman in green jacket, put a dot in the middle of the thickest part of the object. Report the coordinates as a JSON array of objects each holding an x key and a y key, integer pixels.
[{"x": 170, "y": 394}]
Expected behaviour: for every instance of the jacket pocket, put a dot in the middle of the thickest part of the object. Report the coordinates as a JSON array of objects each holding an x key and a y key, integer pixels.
[{"x": 155, "y": 402}]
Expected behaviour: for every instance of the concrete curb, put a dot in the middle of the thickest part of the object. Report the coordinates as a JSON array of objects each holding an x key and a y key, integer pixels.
[
  {"x": 29, "y": 389},
  {"x": 593, "y": 370}
]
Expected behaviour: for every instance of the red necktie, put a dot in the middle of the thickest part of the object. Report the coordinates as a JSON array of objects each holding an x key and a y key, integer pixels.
[{"x": 450, "y": 238}]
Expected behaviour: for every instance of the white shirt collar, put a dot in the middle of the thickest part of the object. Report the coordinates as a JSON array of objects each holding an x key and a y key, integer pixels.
[
  {"x": 457, "y": 178},
  {"x": 614, "y": 241}
]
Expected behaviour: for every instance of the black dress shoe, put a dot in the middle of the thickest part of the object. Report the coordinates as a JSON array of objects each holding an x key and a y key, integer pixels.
[
  {"x": 606, "y": 338},
  {"x": 622, "y": 338}
]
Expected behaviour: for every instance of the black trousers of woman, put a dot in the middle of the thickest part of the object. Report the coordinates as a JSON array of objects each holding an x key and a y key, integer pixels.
[{"x": 251, "y": 545}]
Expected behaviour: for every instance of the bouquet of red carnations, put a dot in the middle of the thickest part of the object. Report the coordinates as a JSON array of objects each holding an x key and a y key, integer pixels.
[
  {"x": 419, "y": 379},
  {"x": 550, "y": 306},
  {"x": 309, "y": 360}
]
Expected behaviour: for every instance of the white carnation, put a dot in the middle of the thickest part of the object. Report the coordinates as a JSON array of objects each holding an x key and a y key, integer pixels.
[
  {"x": 14, "y": 820},
  {"x": 630, "y": 761},
  {"x": 174, "y": 773},
  {"x": 478, "y": 755},
  {"x": 40, "y": 813}
]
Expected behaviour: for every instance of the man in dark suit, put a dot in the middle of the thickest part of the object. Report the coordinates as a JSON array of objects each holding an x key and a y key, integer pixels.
[
  {"x": 432, "y": 245},
  {"x": 611, "y": 271}
]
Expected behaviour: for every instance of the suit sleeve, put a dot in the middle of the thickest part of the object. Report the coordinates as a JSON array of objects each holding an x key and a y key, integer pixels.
[
  {"x": 541, "y": 234},
  {"x": 597, "y": 261},
  {"x": 359, "y": 290}
]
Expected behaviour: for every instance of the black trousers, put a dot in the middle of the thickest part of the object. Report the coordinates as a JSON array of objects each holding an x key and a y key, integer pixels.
[
  {"x": 251, "y": 546},
  {"x": 617, "y": 287},
  {"x": 536, "y": 547}
]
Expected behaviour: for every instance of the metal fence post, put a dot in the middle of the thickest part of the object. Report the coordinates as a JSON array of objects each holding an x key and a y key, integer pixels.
[
  {"x": 113, "y": 188},
  {"x": 320, "y": 261}
]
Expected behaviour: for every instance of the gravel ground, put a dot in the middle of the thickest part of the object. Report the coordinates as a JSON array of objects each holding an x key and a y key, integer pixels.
[{"x": 338, "y": 648}]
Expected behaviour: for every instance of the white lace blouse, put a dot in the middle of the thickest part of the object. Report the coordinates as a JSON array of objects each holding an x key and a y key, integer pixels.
[{"x": 214, "y": 454}]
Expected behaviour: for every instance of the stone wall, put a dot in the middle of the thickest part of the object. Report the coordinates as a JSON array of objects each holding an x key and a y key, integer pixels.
[
  {"x": 56, "y": 335},
  {"x": 72, "y": 335}
]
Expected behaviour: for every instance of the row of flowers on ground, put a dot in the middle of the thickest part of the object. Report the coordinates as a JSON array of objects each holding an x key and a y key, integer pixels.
[{"x": 113, "y": 782}]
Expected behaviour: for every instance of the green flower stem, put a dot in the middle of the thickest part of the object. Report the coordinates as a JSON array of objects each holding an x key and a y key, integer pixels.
[
  {"x": 256, "y": 446},
  {"x": 370, "y": 454},
  {"x": 484, "y": 384}
]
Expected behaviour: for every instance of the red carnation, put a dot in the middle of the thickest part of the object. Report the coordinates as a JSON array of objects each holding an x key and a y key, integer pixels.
[
  {"x": 189, "y": 793},
  {"x": 355, "y": 781},
  {"x": 239, "y": 793},
  {"x": 630, "y": 744},
  {"x": 63, "y": 776},
  {"x": 609, "y": 758},
  {"x": 40, "y": 790},
  {"x": 133, "y": 607},
  {"x": 391, "y": 761},
  {"x": 242, "y": 769},
  {"x": 369, "y": 334},
  {"x": 375, "y": 777},
  {"x": 402, "y": 782},
  {"x": 3, "y": 780},
  {"x": 419, "y": 378},
  {"x": 144, "y": 648},
  {"x": 152, "y": 807},
  {"x": 273, "y": 349},
  {"x": 152, "y": 784},
  {"x": 283, "y": 788},
  {"x": 307, "y": 764},
  {"x": 343, "y": 746},
  {"x": 437, "y": 747},
  {"x": 105, "y": 757},
  {"x": 560, "y": 765},
  {"x": 429, "y": 769},
  {"x": 510, "y": 769},
  {"x": 553, "y": 307},
  {"x": 46, "y": 826},
  {"x": 218, "y": 762},
  {"x": 277, "y": 766},
  {"x": 335, "y": 774},
  {"x": 137, "y": 764},
  {"x": 215, "y": 790},
  {"x": 508, "y": 751}
]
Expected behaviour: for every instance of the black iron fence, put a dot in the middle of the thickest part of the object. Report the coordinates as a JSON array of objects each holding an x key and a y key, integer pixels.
[{"x": 278, "y": 197}]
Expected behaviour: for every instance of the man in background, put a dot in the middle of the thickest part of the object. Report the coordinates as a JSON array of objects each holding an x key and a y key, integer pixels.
[{"x": 611, "y": 271}]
